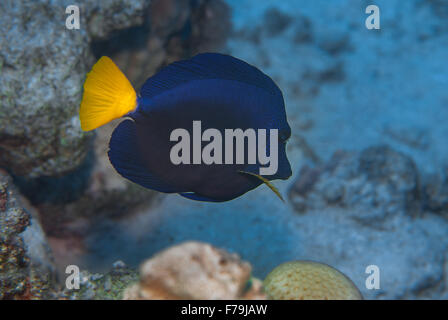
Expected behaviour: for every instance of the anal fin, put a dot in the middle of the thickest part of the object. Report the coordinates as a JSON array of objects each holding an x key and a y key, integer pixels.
[{"x": 197, "y": 197}]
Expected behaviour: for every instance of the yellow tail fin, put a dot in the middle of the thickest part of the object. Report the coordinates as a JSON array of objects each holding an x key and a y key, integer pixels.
[{"x": 108, "y": 95}]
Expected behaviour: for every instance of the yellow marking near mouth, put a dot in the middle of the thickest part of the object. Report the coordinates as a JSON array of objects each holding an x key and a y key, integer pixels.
[{"x": 267, "y": 182}]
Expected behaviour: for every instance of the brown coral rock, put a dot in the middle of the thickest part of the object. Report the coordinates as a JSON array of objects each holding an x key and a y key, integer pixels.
[{"x": 194, "y": 270}]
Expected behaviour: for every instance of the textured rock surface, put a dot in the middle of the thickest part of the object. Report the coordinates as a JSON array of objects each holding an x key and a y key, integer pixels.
[
  {"x": 43, "y": 66},
  {"x": 172, "y": 30},
  {"x": 377, "y": 182},
  {"x": 108, "y": 286},
  {"x": 26, "y": 269},
  {"x": 194, "y": 270},
  {"x": 111, "y": 15},
  {"x": 435, "y": 193}
]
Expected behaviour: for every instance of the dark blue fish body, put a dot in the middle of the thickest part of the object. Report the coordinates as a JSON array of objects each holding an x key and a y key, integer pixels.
[{"x": 223, "y": 93}]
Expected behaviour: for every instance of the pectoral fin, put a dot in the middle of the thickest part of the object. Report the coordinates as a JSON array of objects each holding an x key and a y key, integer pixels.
[{"x": 267, "y": 182}]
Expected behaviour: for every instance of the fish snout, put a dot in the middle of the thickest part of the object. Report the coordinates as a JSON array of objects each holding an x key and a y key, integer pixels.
[
  {"x": 284, "y": 172},
  {"x": 287, "y": 174}
]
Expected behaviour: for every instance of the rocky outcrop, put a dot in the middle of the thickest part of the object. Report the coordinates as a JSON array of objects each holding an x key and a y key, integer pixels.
[
  {"x": 378, "y": 182},
  {"x": 195, "y": 270},
  {"x": 43, "y": 66},
  {"x": 191, "y": 270},
  {"x": 26, "y": 268}
]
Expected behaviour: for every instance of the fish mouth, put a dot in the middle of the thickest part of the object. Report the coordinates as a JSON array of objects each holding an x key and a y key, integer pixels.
[
  {"x": 279, "y": 177},
  {"x": 285, "y": 177}
]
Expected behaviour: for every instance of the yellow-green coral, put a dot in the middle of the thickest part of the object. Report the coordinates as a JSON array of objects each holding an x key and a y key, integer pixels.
[{"x": 307, "y": 280}]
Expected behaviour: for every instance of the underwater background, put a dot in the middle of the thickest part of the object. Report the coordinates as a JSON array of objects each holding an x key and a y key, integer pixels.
[{"x": 367, "y": 108}]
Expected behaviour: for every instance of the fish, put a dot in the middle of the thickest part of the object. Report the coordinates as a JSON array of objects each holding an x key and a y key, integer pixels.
[{"x": 218, "y": 91}]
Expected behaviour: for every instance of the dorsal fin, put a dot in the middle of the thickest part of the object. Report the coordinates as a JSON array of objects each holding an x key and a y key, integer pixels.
[{"x": 207, "y": 66}]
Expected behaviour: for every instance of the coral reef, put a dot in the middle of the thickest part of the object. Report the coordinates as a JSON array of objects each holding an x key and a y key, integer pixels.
[
  {"x": 353, "y": 202},
  {"x": 194, "y": 270},
  {"x": 26, "y": 267},
  {"x": 307, "y": 280}
]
